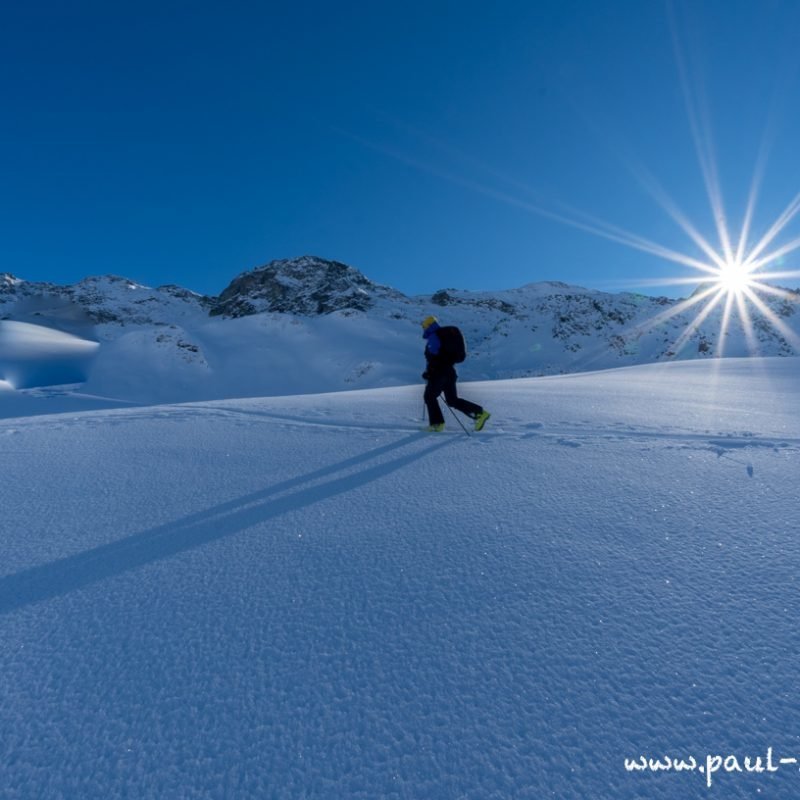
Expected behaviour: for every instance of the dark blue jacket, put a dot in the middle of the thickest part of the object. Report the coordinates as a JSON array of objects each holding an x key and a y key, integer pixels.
[
  {"x": 433, "y": 343},
  {"x": 432, "y": 348}
]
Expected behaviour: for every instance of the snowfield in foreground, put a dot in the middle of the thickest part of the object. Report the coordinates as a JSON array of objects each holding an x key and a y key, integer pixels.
[{"x": 305, "y": 597}]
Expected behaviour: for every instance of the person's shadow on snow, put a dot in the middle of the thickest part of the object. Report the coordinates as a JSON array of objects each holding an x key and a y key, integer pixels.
[{"x": 74, "y": 572}]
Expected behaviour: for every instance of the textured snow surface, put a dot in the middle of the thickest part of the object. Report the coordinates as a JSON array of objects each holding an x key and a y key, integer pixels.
[{"x": 304, "y": 597}]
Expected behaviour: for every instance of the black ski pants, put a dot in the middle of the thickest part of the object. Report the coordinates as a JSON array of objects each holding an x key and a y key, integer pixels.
[{"x": 444, "y": 380}]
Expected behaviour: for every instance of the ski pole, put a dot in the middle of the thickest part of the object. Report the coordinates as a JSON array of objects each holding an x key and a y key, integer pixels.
[{"x": 459, "y": 421}]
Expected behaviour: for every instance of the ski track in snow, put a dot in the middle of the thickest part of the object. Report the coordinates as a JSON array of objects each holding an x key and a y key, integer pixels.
[
  {"x": 565, "y": 432},
  {"x": 309, "y": 598}
]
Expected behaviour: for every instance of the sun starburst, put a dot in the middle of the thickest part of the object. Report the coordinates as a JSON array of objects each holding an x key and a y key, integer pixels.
[
  {"x": 739, "y": 284},
  {"x": 734, "y": 277}
]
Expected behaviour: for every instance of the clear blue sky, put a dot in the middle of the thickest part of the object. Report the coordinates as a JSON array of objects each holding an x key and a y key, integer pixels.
[{"x": 185, "y": 142}]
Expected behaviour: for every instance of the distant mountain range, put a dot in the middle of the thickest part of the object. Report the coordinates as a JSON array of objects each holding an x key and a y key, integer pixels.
[{"x": 309, "y": 325}]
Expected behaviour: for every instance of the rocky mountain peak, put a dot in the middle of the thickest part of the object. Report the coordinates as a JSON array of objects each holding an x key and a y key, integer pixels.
[
  {"x": 7, "y": 279},
  {"x": 307, "y": 286}
]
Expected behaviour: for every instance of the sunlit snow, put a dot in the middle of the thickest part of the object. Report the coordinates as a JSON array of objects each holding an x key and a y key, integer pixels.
[{"x": 307, "y": 597}]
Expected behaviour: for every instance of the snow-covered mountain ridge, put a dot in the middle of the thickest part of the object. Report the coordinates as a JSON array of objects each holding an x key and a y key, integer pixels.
[{"x": 309, "y": 324}]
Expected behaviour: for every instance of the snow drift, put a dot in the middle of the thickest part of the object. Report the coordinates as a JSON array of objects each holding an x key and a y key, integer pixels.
[{"x": 33, "y": 355}]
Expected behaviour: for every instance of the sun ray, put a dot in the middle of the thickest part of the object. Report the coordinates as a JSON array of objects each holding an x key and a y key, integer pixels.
[
  {"x": 615, "y": 233},
  {"x": 694, "y": 325},
  {"x": 755, "y": 187},
  {"x": 700, "y": 125},
  {"x": 778, "y": 276},
  {"x": 747, "y": 324},
  {"x": 758, "y": 177},
  {"x": 776, "y": 291},
  {"x": 662, "y": 198},
  {"x": 669, "y": 313},
  {"x": 789, "y": 247},
  {"x": 725, "y": 324},
  {"x": 640, "y": 283},
  {"x": 578, "y": 219},
  {"x": 466, "y": 157},
  {"x": 652, "y": 187},
  {"x": 785, "y": 217},
  {"x": 774, "y": 319}
]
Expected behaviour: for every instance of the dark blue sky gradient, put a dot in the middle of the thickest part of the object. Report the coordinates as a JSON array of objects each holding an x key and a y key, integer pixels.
[{"x": 185, "y": 142}]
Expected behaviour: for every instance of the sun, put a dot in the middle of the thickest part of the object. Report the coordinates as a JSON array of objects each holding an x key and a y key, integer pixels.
[{"x": 733, "y": 277}]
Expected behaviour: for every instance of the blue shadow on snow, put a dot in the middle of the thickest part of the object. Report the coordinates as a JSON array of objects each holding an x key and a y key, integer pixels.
[{"x": 65, "y": 575}]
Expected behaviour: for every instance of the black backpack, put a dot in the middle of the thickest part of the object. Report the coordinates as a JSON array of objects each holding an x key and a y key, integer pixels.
[{"x": 452, "y": 348}]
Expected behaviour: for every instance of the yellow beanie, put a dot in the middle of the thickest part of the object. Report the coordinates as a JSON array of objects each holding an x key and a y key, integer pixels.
[{"x": 427, "y": 322}]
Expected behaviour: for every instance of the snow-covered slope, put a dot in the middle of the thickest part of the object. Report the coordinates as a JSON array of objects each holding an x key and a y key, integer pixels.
[
  {"x": 309, "y": 324},
  {"x": 304, "y": 597}
]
